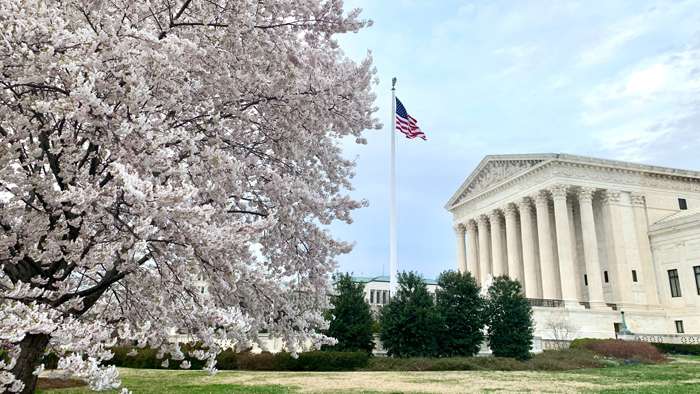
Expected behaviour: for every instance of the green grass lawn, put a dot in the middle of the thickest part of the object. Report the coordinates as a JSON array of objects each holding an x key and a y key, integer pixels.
[{"x": 682, "y": 375}]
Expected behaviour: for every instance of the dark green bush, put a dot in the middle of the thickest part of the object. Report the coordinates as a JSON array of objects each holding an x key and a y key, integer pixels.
[
  {"x": 146, "y": 359},
  {"x": 581, "y": 343},
  {"x": 50, "y": 361},
  {"x": 678, "y": 348},
  {"x": 264, "y": 361},
  {"x": 350, "y": 318},
  {"x": 460, "y": 309},
  {"x": 551, "y": 360},
  {"x": 329, "y": 361},
  {"x": 510, "y": 325},
  {"x": 308, "y": 361},
  {"x": 409, "y": 322}
]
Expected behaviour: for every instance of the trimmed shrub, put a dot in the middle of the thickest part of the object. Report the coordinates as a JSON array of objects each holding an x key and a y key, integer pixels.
[
  {"x": 146, "y": 359},
  {"x": 308, "y": 361},
  {"x": 678, "y": 348},
  {"x": 628, "y": 351},
  {"x": 264, "y": 361},
  {"x": 581, "y": 343},
  {"x": 329, "y": 361},
  {"x": 550, "y": 360}
]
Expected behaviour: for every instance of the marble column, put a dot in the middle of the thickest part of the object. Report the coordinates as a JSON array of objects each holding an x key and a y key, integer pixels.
[
  {"x": 461, "y": 248},
  {"x": 590, "y": 248},
  {"x": 567, "y": 267},
  {"x": 499, "y": 266},
  {"x": 648, "y": 276},
  {"x": 515, "y": 263},
  {"x": 551, "y": 286},
  {"x": 472, "y": 249},
  {"x": 484, "y": 249},
  {"x": 533, "y": 285},
  {"x": 619, "y": 273}
]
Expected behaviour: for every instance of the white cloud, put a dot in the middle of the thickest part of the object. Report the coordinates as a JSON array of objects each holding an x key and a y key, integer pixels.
[
  {"x": 643, "y": 107},
  {"x": 611, "y": 41}
]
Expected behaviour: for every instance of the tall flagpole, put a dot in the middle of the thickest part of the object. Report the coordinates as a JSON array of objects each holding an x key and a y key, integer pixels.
[{"x": 393, "y": 261}]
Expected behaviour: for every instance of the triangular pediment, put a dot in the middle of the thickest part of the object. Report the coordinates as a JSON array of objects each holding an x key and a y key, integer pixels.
[{"x": 494, "y": 170}]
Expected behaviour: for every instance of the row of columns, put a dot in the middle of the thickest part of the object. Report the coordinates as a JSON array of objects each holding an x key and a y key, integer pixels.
[{"x": 538, "y": 250}]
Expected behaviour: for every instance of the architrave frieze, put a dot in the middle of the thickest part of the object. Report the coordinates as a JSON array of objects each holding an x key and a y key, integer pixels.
[{"x": 579, "y": 173}]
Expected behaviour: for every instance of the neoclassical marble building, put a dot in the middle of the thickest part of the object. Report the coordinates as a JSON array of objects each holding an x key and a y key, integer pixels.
[{"x": 579, "y": 233}]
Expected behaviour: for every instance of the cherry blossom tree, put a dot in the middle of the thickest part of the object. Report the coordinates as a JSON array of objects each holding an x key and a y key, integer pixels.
[{"x": 149, "y": 149}]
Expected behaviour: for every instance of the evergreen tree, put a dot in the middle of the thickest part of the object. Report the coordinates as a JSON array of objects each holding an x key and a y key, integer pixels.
[
  {"x": 510, "y": 319},
  {"x": 409, "y": 323},
  {"x": 350, "y": 317},
  {"x": 462, "y": 314}
]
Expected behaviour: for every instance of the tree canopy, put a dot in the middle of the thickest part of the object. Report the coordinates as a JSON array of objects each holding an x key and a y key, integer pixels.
[
  {"x": 149, "y": 150},
  {"x": 350, "y": 318},
  {"x": 409, "y": 324},
  {"x": 461, "y": 311},
  {"x": 510, "y": 325}
]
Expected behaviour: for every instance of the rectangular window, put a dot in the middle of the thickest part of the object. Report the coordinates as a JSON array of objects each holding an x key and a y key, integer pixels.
[
  {"x": 585, "y": 279},
  {"x": 384, "y": 297},
  {"x": 682, "y": 204},
  {"x": 696, "y": 269},
  {"x": 634, "y": 275},
  {"x": 605, "y": 276},
  {"x": 371, "y": 296},
  {"x": 679, "y": 326},
  {"x": 674, "y": 283}
]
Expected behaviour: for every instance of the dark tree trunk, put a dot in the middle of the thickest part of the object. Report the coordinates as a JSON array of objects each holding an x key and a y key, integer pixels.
[{"x": 32, "y": 349}]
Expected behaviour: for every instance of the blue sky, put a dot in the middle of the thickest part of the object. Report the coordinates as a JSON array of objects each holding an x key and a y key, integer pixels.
[{"x": 610, "y": 79}]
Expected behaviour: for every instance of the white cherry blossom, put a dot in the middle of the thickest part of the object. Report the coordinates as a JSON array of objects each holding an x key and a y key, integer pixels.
[{"x": 152, "y": 148}]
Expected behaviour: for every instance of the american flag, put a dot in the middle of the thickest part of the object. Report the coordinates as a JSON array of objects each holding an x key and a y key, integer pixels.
[{"x": 406, "y": 123}]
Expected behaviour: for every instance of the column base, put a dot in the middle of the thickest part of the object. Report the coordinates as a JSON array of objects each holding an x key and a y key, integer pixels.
[
  {"x": 599, "y": 305},
  {"x": 573, "y": 304}
]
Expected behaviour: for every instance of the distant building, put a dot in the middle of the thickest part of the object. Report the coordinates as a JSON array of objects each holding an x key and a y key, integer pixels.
[
  {"x": 377, "y": 289},
  {"x": 588, "y": 238}
]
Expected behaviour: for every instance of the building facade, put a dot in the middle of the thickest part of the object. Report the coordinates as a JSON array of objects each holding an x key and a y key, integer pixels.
[
  {"x": 588, "y": 239},
  {"x": 377, "y": 289}
]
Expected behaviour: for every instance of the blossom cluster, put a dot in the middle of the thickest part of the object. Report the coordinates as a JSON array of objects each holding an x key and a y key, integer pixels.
[{"x": 153, "y": 149}]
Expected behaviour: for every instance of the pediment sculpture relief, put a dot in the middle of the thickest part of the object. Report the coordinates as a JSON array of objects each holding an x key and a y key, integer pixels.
[{"x": 495, "y": 172}]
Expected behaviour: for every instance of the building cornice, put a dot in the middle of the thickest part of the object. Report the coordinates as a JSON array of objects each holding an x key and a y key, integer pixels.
[{"x": 564, "y": 161}]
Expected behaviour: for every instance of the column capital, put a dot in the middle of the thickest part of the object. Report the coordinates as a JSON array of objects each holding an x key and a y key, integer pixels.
[
  {"x": 483, "y": 220},
  {"x": 471, "y": 225},
  {"x": 637, "y": 199},
  {"x": 541, "y": 197},
  {"x": 459, "y": 228},
  {"x": 510, "y": 210},
  {"x": 611, "y": 196},
  {"x": 585, "y": 194},
  {"x": 525, "y": 203},
  {"x": 559, "y": 192},
  {"x": 495, "y": 215}
]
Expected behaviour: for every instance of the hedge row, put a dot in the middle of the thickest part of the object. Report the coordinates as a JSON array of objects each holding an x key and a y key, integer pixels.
[
  {"x": 229, "y": 360},
  {"x": 549, "y": 360},
  {"x": 678, "y": 348},
  {"x": 669, "y": 348}
]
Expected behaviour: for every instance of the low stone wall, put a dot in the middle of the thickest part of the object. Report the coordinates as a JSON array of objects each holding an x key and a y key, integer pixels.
[{"x": 663, "y": 338}]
